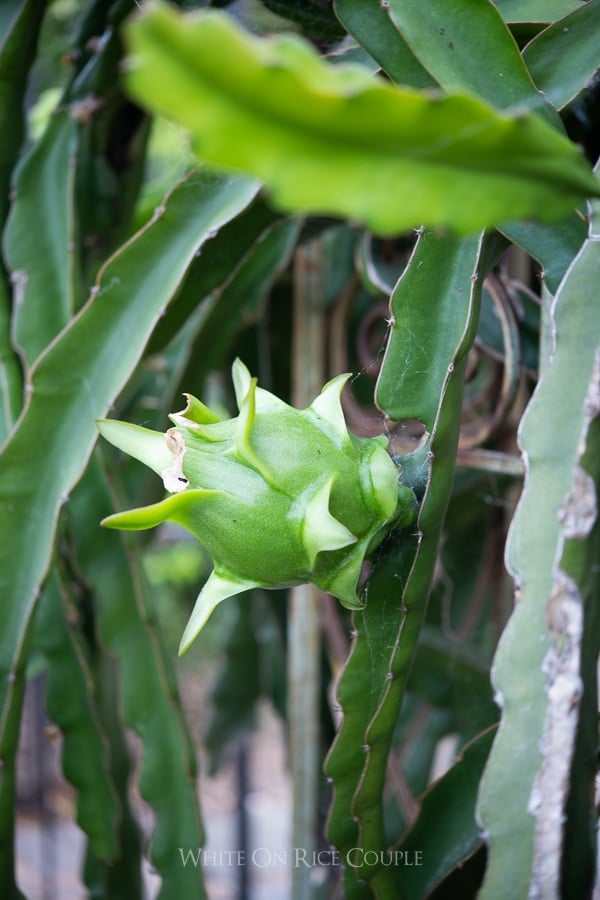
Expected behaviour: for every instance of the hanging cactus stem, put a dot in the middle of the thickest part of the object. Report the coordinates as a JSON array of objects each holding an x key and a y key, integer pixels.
[{"x": 278, "y": 496}]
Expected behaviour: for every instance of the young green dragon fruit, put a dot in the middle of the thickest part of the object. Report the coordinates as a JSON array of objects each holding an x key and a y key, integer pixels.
[{"x": 278, "y": 496}]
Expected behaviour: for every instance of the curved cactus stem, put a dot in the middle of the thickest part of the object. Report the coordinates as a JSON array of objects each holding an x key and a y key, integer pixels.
[
  {"x": 446, "y": 831},
  {"x": 371, "y": 26},
  {"x": 73, "y": 382},
  {"x": 148, "y": 701},
  {"x": 544, "y": 671},
  {"x": 70, "y": 704},
  {"x": 434, "y": 309},
  {"x": 43, "y": 264},
  {"x": 309, "y": 143}
]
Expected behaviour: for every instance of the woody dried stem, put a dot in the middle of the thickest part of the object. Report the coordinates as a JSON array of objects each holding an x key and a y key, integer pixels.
[{"x": 308, "y": 374}]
